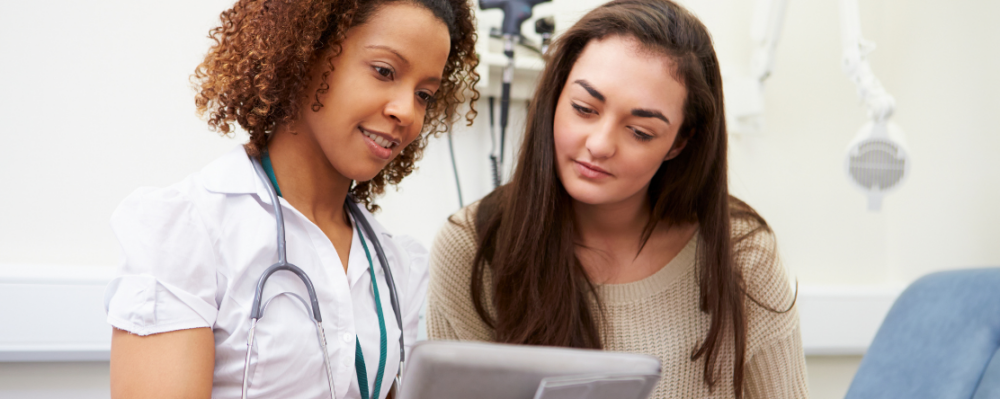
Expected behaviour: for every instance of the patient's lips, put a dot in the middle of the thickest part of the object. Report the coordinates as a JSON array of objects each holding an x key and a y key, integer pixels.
[{"x": 590, "y": 171}]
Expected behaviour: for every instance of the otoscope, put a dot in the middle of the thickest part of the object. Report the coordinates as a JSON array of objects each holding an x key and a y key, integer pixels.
[{"x": 515, "y": 12}]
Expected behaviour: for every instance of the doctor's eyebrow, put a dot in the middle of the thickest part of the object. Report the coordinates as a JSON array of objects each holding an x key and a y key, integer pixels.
[
  {"x": 391, "y": 50},
  {"x": 406, "y": 62}
]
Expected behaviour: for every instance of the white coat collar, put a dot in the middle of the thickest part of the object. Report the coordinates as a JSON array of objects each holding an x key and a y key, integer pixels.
[{"x": 233, "y": 173}]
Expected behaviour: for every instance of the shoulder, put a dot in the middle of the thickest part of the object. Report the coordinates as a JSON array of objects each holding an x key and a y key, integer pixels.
[
  {"x": 754, "y": 246},
  {"x": 457, "y": 238},
  {"x": 464, "y": 219},
  {"x": 455, "y": 244},
  {"x": 407, "y": 249},
  {"x": 199, "y": 203},
  {"x": 160, "y": 207},
  {"x": 770, "y": 295},
  {"x": 181, "y": 205},
  {"x": 451, "y": 311},
  {"x": 409, "y": 246}
]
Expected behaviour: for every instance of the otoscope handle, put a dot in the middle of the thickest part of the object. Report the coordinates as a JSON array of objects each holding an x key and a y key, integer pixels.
[
  {"x": 545, "y": 26},
  {"x": 504, "y": 103},
  {"x": 504, "y": 107},
  {"x": 515, "y": 12}
]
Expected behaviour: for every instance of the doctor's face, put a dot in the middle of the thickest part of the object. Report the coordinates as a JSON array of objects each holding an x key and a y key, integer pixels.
[
  {"x": 616, "y": 121},
  {"x": 389, "y": 68}
]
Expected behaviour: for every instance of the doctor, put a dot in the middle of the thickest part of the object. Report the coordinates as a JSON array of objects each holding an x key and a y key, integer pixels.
[{"x": 338, "y": 99}]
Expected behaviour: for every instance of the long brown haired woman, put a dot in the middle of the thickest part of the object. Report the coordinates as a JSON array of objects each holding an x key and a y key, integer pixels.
[{"x": 617, "y": 230}]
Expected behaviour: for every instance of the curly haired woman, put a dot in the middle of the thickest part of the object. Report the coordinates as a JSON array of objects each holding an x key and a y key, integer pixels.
[{"x": 338, "y": 97}]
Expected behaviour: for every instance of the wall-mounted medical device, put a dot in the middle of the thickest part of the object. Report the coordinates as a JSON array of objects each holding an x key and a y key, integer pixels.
[
  {"x": 745, "y": 93},
  {"x": 515, "y": 12},
  {"x": 877, "y": 160}
]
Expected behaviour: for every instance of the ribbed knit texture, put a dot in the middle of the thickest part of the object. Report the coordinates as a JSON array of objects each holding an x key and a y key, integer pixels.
[{"x": 658, "y": 315}]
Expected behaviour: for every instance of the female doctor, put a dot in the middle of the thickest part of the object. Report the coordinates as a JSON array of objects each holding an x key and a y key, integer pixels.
[{"x": 338, "y": 98}]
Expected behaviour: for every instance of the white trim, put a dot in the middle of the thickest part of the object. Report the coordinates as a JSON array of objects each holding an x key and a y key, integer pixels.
[
  {"x": 56, "y": 313},
  {"x": 55, "y": 274},
  {"x": 842, "y": 320},
  {"x": 53, "y": 313},
  {"x": 56, "y": 353}
]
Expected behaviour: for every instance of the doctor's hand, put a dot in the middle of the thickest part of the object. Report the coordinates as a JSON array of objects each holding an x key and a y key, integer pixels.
[{"x": 176, "y": 364}]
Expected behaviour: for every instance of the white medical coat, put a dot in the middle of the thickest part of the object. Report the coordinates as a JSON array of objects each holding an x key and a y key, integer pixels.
[{"x": 191, "y": 257}]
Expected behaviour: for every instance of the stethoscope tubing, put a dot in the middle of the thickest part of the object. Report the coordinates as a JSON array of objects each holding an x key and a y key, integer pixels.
[
  {"x": 367, "y": 228},
  {"x": 380, "y": 254},
  {"x": 257, "y": 312}
]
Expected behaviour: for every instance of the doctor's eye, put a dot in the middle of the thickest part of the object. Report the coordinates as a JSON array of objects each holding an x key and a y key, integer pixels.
[
  {"x": 425, "y": 97},
  {"x": 384, "y": 71}
]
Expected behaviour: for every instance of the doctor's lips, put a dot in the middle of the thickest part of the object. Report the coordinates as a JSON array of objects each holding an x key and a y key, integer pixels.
[
  {"x": 590, "y": 170},
  {"x": 382, "y": 139}
]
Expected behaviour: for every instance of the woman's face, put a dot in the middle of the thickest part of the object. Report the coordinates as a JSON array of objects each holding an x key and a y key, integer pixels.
[
  {"x": 379, "y": 88},
  {"x": 616, "y": 121}
]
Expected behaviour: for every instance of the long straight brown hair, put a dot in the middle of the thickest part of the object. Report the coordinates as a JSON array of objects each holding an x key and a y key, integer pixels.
[{"x": 525, "y": 229}]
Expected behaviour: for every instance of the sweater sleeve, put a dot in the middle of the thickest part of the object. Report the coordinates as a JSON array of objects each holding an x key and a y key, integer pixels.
[
  {"x": 775, "y": 363},
  {"x": 451, "y": 314},
  {"x": 778, "y": 371}
]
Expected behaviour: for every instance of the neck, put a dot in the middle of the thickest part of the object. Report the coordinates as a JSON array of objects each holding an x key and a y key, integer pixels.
[
  {"x": 612, "y": 227},
  {"x": 307, "y": 179}
]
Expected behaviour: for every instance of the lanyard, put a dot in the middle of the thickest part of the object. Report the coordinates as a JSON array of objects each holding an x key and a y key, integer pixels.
[{"x": 359, "y": 358}]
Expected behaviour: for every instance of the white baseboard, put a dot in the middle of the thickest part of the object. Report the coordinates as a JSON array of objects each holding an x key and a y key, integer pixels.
[
  {"x": 842, "y": 320},
  {"x": 53, "y": 313},
  {"x": 56, "y": 313}
]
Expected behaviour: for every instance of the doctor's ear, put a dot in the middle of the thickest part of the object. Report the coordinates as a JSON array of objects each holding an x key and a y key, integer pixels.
[{"x": 679, "y": 144}]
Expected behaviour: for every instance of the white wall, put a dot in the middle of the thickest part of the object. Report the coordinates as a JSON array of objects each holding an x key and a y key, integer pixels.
[
  {"x": 939, "y": 58},
  {"x": 94, "y": 102}
]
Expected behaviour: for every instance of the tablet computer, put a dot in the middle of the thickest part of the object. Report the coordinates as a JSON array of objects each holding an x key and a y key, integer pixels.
[{"x": 450, "y": 369}]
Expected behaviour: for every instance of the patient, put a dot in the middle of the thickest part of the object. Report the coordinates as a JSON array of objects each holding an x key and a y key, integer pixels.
[{"x": 617, "y": 230}]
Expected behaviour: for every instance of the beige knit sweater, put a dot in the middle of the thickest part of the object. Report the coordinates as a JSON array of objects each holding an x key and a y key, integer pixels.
[{"x": 658, "y": 315}]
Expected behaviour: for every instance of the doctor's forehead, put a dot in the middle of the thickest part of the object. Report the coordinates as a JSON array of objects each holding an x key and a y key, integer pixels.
[{"x": 406, "y": 31}]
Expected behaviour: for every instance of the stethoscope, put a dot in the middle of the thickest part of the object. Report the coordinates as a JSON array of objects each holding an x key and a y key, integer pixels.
[{"x": 258, "y": 311}]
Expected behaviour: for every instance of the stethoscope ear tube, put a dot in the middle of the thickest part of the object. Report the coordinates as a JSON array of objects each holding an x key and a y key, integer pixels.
[
  {"x": 257, "y": 310},
  {"x": 282, "y": 256},
  {"x": 359, "y": 218}
]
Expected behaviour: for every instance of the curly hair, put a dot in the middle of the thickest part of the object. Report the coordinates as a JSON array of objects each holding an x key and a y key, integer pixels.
[{"x": 259, "y": 65}]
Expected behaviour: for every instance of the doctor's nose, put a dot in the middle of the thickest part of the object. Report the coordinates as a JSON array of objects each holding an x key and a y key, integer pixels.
[{"x": 402, "y": 109}]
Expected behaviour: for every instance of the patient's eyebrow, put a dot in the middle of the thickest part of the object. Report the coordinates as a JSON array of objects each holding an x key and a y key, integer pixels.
[
  {"x": 649, "y": 113},
  {"x": 590, "y": 89},
  {"x": 640, "y": 112}
]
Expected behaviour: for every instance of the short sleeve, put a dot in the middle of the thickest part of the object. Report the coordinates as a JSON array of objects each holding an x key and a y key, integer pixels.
[
  {"x": 416, "y": 287},
  {"x": 167, "y": 278}
]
